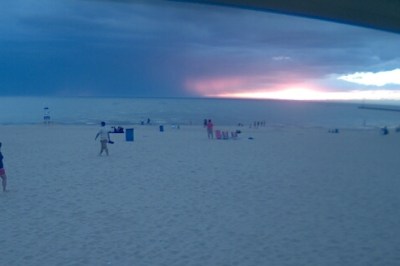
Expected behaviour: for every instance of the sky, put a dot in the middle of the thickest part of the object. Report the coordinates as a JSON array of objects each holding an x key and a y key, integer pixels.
[{"x": 174, "y": 49}]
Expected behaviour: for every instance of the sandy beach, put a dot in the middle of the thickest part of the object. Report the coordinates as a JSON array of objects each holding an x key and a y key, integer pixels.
[{"x": 288, "y": 196}]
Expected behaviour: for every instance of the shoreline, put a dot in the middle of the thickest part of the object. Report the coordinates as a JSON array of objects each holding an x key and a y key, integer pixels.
[{"x": 166, "y": 126}]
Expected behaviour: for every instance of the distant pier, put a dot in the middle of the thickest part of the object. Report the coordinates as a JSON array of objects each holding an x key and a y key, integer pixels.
[{"x": 381, "y": 108}]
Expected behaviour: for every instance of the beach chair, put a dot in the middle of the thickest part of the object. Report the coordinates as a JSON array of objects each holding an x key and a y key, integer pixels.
[
  {"x": 234, "y": 135},
  {"x": 218, "y": 134},
  {"x": 225, "y": 135}
]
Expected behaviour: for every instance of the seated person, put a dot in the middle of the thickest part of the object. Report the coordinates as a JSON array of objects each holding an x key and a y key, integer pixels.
[{"x": 118, "y": 130}]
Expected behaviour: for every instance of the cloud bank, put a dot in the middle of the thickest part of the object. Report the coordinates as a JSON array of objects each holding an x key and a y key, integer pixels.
[{"x": 162, "y": 48}]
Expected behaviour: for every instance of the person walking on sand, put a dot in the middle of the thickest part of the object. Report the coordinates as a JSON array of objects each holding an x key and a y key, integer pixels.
[
  {"x": 210, "y": 129},
  {"x": 104, "y": 138},
  {"x": 2, "y": 172}
]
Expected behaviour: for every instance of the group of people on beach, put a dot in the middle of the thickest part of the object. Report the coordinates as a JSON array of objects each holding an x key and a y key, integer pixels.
[
  {"x": 257, "y": 124},
  {"x": 104, "y": 135}
]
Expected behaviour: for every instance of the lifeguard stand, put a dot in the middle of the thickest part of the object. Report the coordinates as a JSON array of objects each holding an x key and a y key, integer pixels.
[{"x": 46, "y": 115}]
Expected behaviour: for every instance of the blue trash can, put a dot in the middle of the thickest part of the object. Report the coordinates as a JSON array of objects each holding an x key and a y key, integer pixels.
[
  {"x": 129, "y": 134},
  {"x": 161, "y": 128}
]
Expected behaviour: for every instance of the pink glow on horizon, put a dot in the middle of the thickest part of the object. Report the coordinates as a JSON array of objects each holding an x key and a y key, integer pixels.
[{"x": 251, "y": 88}]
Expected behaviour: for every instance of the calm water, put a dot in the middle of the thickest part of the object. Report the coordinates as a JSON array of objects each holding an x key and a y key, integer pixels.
[{"x": 122, "y": 111}]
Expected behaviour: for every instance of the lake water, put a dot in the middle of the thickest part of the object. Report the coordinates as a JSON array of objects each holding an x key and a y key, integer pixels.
[{"x": 124, "y": 111}]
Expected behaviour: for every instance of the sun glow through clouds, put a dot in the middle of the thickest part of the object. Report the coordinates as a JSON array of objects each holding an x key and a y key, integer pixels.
[
  {"x": 286, "y": 94},
  {"x": 252, "y": 88},
  {"x": 314, "y": 95}
]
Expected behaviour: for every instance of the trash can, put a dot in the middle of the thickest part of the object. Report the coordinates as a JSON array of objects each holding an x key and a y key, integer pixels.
[
  {"x": 129, "y": 134},
  {"x": 161, "y": 128}
]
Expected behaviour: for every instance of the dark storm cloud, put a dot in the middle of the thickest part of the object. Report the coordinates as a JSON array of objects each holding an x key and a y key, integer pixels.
[{"x": 137, "y": 48}]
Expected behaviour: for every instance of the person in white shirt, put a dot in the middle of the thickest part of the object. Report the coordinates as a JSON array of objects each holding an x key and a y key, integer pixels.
[{"x": 104, "y": 135}]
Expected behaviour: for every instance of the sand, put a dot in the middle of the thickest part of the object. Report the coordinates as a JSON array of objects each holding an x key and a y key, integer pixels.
[{"x": 289, "y": 196}]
